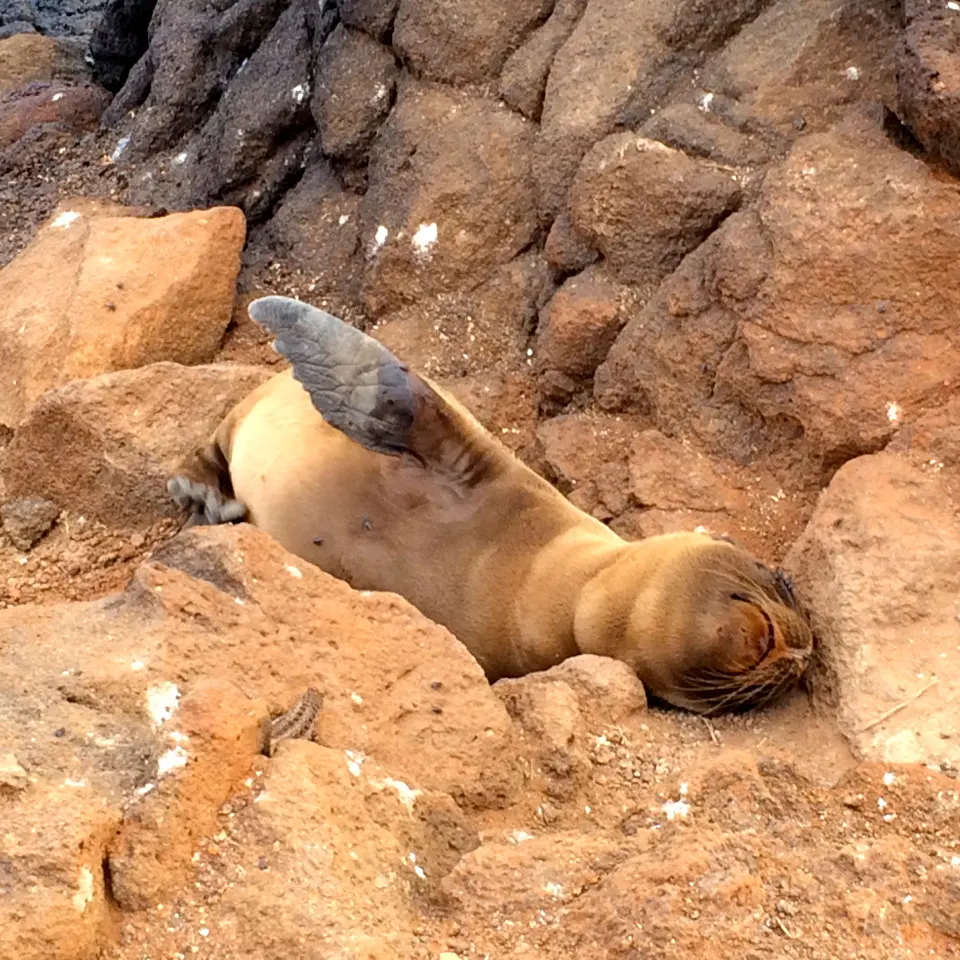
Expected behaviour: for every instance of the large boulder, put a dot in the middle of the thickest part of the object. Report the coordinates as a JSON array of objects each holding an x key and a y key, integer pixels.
[
  {"x": 879, "y": 569},
  {"x": 645, "y": 206},
  {"x": 817, "y": 322},
  {"x": 451, "y": 196},
  {"x": 928, "y": 78},
  {"x": 98, "y": 290},
  {"x": 620, "y": 62},
  {"x": 461, "y": 41},
  {"x": 103, "y": 448},
  {"x": 356, "y": 86},
  {"x": 130, "y": 725}
]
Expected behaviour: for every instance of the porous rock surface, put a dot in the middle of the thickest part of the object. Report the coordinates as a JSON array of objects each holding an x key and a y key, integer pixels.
[
  {"x": 696, "y": 263},
  {"x": 99, "y": 290},
  {"x": 103, "y": 447},
  {"x": 889, "y": 660}
]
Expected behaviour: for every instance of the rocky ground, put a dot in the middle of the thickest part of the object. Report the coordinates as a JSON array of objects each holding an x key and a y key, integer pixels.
[{"x": 697, "y": 264}]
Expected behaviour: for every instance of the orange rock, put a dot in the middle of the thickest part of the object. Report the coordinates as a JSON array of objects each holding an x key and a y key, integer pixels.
[
  {"x": 97, "y": 290},
  {"x": 25, "y": 57},
  {"x": 210, "y": 745},
  {"x": 76, "y": 106},
  {"x": 104, "y": 448},
  {"x": 579, "y": 324}
]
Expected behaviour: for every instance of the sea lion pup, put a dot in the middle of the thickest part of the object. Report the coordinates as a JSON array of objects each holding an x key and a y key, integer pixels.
[{"x": 362, "y": 467}]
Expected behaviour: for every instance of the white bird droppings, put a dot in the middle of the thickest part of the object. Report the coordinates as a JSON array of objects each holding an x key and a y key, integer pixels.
[
  {"x": 180, "y": 158},
  {"x": 173, "y": 759},
  {"x": 162, "y": 700},
  {"x": 354, "y": 762},
  {"x": 953, "y": 5},
  {"x": 84, "y": 893},
  {"x": 705, "y": 102},
  {"x": 677, "y": 808},
  {"x": 889, "y": 779},
  {"x": 294, "y": 572},
  {"x": 344, "y": 217},
  {"x": 66, "y": 218},
  {"x": 425, "y": 238},
  {"x": 554, "y": 889},
  {"x": 56, "y": 97},
  {"x": 894, "y": 411},
  {"x": 299, "y": 92},
  {"x": 380, "y": 238},
  {"x": 407, "y": 794},
  {"x": 852, "y": 73},
  {"x": 137, "y": 665}
]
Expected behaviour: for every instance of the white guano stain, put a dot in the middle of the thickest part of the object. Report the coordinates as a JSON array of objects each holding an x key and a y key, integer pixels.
[
  {"x": 66, "y": 219},
  {"x": 424, "y": 239},
  {"x": 161, "y": 701},
  {"x": 173, "y": 759},
  {"x": 84, "y": 895}
]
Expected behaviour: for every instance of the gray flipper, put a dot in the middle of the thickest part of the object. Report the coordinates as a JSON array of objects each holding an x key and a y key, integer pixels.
[
  {"x": 356, "y": 383},
  {"x": 206, "y": 504}
]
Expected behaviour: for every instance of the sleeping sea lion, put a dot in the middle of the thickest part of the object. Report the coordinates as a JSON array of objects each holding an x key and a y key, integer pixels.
[{"x": 379, "y": 477}]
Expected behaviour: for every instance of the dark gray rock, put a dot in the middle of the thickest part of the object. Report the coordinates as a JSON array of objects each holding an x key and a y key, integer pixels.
[
  {"x": 195, "y": 53},
  {"x": 120, "y": 40},
  {"x": 356, "y": 86},
  {"x": 254, "y": 144},
  {"x": 373, "y": 16}
]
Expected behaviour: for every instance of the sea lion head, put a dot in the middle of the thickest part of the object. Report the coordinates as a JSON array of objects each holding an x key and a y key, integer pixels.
[{"x": 720, "y": 631}]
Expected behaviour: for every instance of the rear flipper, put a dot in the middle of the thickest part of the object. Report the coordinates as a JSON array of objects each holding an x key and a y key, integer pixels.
[
  {"x": 359, "y": 387},
  {"x": 206, "y": 503}
]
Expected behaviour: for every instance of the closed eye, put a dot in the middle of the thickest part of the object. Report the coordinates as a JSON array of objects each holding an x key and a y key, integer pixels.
[{"x": 771, "y": 637}]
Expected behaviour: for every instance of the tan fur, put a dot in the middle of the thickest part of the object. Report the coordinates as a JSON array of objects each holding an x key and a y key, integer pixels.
[{"x": 522, "y": 577}]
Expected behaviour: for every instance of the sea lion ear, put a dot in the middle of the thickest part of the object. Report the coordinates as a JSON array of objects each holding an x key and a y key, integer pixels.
[{"x": 362, "y": 389}]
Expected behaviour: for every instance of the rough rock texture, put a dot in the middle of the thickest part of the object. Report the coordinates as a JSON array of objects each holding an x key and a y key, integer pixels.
[
  {"x": 59, "y": 18},
  {"x": 120, "y": 39},
  {"x": 645, "y": 206},
  {"x": 461, "y": 41},
  {"x": 878, "y": 568},
  {"x": 316, "y": 230},
  {"x": 25, "y": 58},
  {"x": 195, "y": 48},
  {"x": 356, "y": 84},
  {"x": 26, "y": 520},
  {"x": 821, "y": 313},
  {"x": 451, "y": 196},
  {"x": 373, "y": 16},
  {"x": 798, "y": 67},
  {"x": 669, "y": 476},
  {"x": 523, "y": 80},
  {"x": 98, "y": 290},
  {"x": 928, "y": 78},
  {"x": 77, "y": 107},
  {"x": 104, "y": 448},
  {"x": 254, "y": 144},
  {"x": 590, "y": 93},
  {"x": 644, "y": 484},
  {"x": 577, "y": 328}
]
